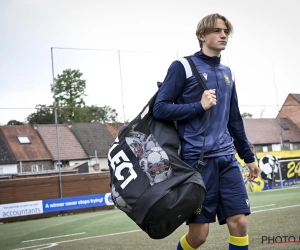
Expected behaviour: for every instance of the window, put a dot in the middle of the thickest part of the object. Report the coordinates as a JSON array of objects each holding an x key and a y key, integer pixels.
[
  {"x": 265, "y": 149},
  {"x": 57, "y": 165},
  {"x": 36, "y": 168},
  {"x": 23, "y": 139},
  {"x": 276, "y": 147},
  {"x": 286, "y": 145},
  {"x": 284, "y": 126}
]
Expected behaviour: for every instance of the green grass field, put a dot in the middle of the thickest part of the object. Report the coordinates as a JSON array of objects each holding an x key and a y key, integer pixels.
[{"x": 275, "y": 213}]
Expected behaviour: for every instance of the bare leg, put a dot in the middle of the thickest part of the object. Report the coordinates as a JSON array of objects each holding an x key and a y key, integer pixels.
[
  {"x": 237, "y": 225},
  {"x": 197, "y": 234}
]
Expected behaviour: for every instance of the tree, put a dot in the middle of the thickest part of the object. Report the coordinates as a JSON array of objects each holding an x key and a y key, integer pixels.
[
  {"x": 246, "y": 115},
  {"x": 43, "y": 115},
  {"x": 15, "y": 122},
  {"x": 102, "y": 114},
  {"x": 69, "y": 90}
]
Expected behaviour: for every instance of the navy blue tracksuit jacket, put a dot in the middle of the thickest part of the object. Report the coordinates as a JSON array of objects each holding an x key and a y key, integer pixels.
[{"x": 179, "y": 100}]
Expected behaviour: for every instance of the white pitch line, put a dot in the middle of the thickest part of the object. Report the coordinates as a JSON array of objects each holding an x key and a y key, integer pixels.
[
  {"x": 276, "y": 208},
  {"x": 87, "y": 238},
  {"x": 60, "y": 236},
  {"x": 43, "y": 246},
  {"x": 47, "y": 246},
  {"x": 133, "y": 231},
  {"x": 264, "y": 206}
]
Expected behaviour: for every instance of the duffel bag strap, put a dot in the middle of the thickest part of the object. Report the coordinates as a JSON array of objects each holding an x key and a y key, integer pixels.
[{"x": 204, "y": 87}]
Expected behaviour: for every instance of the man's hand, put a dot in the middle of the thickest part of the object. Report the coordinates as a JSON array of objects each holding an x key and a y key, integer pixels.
[
  {"x": 208, "y": 99},
  {"x": 253, "y": 171}
]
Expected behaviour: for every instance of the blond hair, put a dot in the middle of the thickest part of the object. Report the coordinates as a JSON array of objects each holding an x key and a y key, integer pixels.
[{"x": 206, "y": 25}]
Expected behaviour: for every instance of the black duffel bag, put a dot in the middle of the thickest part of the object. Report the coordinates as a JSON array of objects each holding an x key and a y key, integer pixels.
[{"x": 149, "y": 181}]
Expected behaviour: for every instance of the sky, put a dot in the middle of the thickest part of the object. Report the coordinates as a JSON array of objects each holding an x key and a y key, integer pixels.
[{"x": 124, "y": 47}]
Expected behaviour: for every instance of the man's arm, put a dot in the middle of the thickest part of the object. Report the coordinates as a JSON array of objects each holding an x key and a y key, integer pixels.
[
  {"x": 237, "y": 131},
  {"x": 165, "y": 106}
]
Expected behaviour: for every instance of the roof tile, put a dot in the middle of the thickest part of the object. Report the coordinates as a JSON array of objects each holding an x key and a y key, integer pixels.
[
  {"x": 69, "y": 147},
  {"x": 267, "y": 131},
  {"x": 34, "y": 151},
  {"x": 94, "y": 137}
]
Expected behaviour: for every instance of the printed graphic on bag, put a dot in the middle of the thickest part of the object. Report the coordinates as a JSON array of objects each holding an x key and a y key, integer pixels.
[
  {"x": 119, "y": 201},
  {"x": 152, "y": 158}
]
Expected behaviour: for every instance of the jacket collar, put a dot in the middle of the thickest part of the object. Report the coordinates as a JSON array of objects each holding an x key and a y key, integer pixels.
[{"x": 213, "y": 61}]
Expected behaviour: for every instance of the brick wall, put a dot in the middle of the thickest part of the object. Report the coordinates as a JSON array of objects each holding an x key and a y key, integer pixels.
[
  {"x": 48, "y": 187},
  {"x": 27, "y": 165}
]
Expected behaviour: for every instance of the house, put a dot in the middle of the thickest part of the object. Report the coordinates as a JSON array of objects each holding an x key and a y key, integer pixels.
[
  {"x": 291, "y": 109},
  {"x": 22, "y": 146},
  {"x": 83, "y": 147},
  {"x": 276, "y": 144},
  {"x": 272, "y": 134},
  {"x": 276, "y": 134},
  {"x": 95, "y": 139},
  {"x": 114, "y": 128},
  {"x": 8, "y": 163},
  {"x": 65, "y": 150}
]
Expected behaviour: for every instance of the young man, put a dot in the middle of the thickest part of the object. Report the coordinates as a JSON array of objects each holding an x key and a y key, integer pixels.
[{"x": 182, "y": 99}]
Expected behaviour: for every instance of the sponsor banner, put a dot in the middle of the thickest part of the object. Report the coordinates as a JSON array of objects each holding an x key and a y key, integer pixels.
[
  {"x": 78, "y": 202},
  {"x": 277, "y": 169},
  {"x": 54, "y": 205},
  {"x": 21, "y": 209}
]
